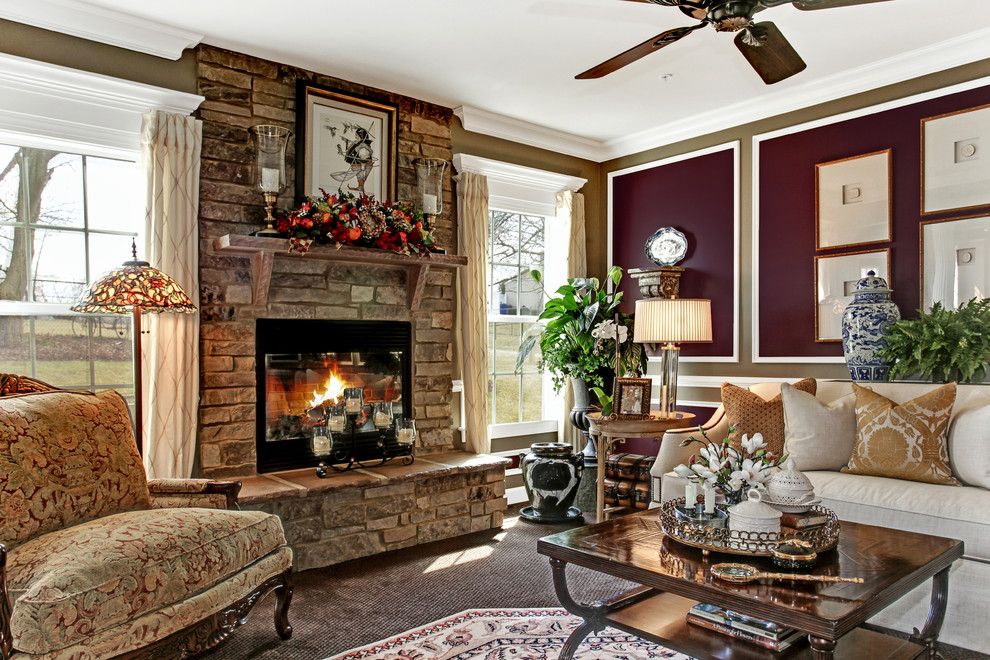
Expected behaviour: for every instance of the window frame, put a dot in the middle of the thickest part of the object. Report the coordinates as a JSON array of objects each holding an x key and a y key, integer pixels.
[{"x": 527, "y": 191}]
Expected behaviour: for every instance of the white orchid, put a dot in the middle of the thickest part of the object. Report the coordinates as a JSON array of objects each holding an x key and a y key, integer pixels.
[
  {"x": 683, "y": 471},
  {"x": 609, "y": 330},
  {"x": 751, "y": 471},
  {"x": 730, "y": 466}
]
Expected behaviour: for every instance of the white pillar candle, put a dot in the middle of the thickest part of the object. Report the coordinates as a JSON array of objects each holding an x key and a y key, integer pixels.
[
  {"x": 430, "y": 204},
  {"x": 405, "y": 436},
  {"x": 709, "y": 499},
  {"x": 269, "y": 179},
  {"x": 382, "y": 419},
  {"x": 352, "y": 406},
  {"x": 691, "y": 494},
  {"x": 337, "y": 423},
  {"x": 321, "y": 445}
]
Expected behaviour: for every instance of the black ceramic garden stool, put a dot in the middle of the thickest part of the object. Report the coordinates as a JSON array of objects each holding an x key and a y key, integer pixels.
[{"x": 551, "y": 472}]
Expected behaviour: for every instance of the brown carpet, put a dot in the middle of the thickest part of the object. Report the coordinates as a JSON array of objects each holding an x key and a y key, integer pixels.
[{"x": 338, "y": 608}]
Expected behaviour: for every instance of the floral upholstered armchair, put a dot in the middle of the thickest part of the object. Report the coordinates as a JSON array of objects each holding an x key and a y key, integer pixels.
[{"x": 96, "y": 562}]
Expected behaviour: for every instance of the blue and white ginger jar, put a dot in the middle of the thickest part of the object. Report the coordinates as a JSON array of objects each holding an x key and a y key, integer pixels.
[{"x": 863, "y": 323}]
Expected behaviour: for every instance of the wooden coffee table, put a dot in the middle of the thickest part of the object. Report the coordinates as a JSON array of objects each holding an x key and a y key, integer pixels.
[{"x": 674, "y": 577}]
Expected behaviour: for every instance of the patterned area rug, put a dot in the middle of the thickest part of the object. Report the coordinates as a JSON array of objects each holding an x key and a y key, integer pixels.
[{"x": 517, "y": 634}]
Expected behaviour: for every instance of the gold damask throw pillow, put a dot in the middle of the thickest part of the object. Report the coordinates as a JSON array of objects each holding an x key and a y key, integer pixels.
[
  {"x": 750, "y": 413},
  {"x": 906, "y": 441}
]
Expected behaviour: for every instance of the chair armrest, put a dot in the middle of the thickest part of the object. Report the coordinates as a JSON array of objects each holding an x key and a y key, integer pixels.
[
  {"x": 6, "y": 639},
  {"x": 205, "y": 493}
]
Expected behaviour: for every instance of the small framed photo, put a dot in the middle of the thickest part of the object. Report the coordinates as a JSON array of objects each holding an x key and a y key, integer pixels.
[
  {"x": 853, "y": 201},
  {"x": 955, "y": 265},
  {"x": 345, "y": 143},
  {"x": 955, "y": 169},
  {"x": 836, "y": 277},
  {"x": 631, "y": 398}
]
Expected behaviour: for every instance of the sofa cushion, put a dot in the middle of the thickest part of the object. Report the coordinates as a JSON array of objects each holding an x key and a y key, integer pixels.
[
  {"x": 750, "y": 413},
  {"x": 818, "y": 436},
  {"x": 72, "y": 583},
  {"x": 959, "y": 513},
  {"x": 906, "y": 441},
  {"x": 969, "y": 441},
  {"x": 66, "y": 457}
]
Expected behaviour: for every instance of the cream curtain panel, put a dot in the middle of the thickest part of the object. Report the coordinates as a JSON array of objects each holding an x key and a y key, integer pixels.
[
  {"x": 570, "y": 222},
  {"x": 170, "y": 155},
  {"x": 472, "y": 319}
]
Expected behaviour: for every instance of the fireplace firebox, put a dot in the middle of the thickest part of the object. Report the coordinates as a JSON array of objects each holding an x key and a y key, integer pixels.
[{"x": 304, "y": 367}]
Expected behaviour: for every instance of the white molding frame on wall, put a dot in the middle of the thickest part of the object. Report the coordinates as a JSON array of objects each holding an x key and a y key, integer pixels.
[
  {"x": 518, "y": 188},
  {"x": 48, "y": 106},
  {"x": 797, "y": 128},
  {"x": 734, "y": 146},
  {"x": 107, "y": 26}
]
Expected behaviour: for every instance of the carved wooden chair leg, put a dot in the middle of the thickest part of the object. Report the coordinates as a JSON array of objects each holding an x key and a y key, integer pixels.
[
  {"x": 6, "y": 639},
  {"x": 283, "y": 596}
]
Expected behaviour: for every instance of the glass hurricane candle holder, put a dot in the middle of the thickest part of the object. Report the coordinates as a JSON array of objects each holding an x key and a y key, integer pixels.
[
  {"x": 405, "y": 431},
  {"x": 429, "y": 188},
  {"x": 383, "y": 414},
  {"x": 270, "y": 168},
  {"x": 353, "y": 400},
  {"x": 322, "y": 441},
  {"x": 337, "y": 419}
]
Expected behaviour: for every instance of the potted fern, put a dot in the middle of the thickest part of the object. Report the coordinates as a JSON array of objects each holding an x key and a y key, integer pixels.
[{"x": 941, "y": 345}]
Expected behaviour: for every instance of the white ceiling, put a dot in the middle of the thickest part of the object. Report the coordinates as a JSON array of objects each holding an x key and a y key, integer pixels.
[{"x": 511, "y": 63}]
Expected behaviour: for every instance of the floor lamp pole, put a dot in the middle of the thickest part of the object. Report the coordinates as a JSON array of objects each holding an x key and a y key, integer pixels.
[{"x": 138, "y": 394}]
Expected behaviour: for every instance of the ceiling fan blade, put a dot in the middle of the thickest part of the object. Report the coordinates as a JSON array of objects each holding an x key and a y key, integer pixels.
[
  {"x": 774, "y": 59},
  {"x": 636, "y": 52},
  {"x": 809, "y": 5}
]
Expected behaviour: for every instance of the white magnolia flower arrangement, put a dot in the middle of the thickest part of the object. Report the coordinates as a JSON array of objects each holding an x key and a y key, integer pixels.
[{"x": 731, "y": 469}]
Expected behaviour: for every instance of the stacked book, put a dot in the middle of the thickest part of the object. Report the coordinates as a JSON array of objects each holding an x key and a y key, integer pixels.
[
  {"x": 767, "y": 634},
  {"x": 801, "y": 522}
]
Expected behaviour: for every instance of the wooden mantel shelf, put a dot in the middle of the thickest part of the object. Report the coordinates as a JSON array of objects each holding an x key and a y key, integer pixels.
[{"x": 263, "y": 250}]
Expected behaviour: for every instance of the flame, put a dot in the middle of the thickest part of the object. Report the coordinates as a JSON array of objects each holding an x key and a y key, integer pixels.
[{"x": 333, "y": 390}]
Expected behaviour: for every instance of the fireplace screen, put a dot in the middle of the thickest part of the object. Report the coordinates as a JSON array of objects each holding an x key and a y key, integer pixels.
[{"x": 311, "y": 375}]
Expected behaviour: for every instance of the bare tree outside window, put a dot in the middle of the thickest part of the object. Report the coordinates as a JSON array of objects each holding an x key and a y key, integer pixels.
[
  {"x": 516, "y": 247},
  {"x": 64, "y": 219}
]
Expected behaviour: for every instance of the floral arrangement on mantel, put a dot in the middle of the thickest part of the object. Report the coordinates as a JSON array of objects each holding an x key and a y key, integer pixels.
[
  {"x": 728, "y": 467},
  {"x": 355, "y": 220}
]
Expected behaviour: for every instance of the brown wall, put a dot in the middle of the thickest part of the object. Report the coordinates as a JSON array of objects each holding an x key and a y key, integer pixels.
[{"x": 745, "y": 133}]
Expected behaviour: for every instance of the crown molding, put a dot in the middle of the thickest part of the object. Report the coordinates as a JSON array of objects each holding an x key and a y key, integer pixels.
[
  {"x": 519, "y": 188},
  {"x": 44, "y": 104},
  {"x": 958, "y": 51},
  {"x": 103, "y": 25},
  {"x": 524, "y": 132}
]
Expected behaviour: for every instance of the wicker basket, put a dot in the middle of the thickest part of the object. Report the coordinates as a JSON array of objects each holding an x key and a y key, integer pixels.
[{"x": 734, "y": 542}]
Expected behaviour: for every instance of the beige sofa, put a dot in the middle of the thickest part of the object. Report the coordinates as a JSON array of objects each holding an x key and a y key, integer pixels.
[
  {"x": 96, "y": 561},
  {"x": 961, "y": 512}
]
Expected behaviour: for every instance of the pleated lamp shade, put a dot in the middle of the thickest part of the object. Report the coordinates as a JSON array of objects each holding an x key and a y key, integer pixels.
[
  {"x": 135, "y": 284},
  {"x": 673, "y": 320}
]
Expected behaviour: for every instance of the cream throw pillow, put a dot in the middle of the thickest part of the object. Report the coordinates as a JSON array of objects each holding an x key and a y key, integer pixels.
[
  {"x": 818, "y": 436},
  {"x": 969, "y": 437},
  {"x": 906, "y": 441}
]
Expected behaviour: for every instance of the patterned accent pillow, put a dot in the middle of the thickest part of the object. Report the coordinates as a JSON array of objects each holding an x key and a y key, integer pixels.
[
  {"x": 906, "y": 441},
  {"x": 65, "y": 458},
  {"x": 750, "y": 413}
]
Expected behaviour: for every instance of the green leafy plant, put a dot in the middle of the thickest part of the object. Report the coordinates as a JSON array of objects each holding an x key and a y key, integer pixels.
[
  {"x": 604, "y": 400},
  {"x": 942, "y": 344},
  {"x": 581, "y": 334}
]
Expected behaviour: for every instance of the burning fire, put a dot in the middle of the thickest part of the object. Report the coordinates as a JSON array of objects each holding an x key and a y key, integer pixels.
[{"x": 334, "y": 389}]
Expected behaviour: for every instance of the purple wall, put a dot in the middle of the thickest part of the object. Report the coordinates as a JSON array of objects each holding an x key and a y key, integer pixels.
[
  {"x": 695, "y": 196},
  {"x": 786, "y": 241}
]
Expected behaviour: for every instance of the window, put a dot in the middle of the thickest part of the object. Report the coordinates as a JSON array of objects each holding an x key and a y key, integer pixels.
[
  {"x": 516, "y": 247},
  {"x": 65, "y": 219}
]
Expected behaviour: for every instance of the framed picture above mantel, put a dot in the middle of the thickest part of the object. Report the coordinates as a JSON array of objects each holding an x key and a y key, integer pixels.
[{"x": 344, "y": 142}]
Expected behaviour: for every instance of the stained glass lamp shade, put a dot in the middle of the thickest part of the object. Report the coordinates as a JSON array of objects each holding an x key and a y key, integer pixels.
[{"x": 133, "y": 288}]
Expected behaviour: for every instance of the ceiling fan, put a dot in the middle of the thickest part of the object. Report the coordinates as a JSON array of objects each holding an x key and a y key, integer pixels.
[{"x": 762, "y": 44}]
